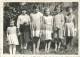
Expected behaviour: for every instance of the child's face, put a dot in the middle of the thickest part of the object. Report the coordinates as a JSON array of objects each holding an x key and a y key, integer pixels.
[
  {"x": 47, "y": 12},
  {"x": 36, "y": 10},
  {"x": 11, "y": 23},
  {"x": 58, "y": 10},
  {"x": 24, "y": 12},
  {"x": 70, "y": 10}
]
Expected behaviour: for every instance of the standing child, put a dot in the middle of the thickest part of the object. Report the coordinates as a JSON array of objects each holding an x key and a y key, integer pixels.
[
  {"x": 12, "y": 37},
  {"x": 58, "y": 27},
  {"x": 36, "y": 17},
  {"x": 23, "y": 26},
  {"x": 48, "y": 24},
  {"x": 70, "y": 24}
]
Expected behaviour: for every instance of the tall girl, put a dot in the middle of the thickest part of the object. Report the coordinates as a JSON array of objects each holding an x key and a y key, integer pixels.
[
  {"x": 70, "y": 25},
  {"x": 23, "y": 26},
  {"x": 12, "y": 37},
  {"x": 48, "y": 25},
  {"x": 58, "y": 27},
  {"x": 36, "y": 17}
]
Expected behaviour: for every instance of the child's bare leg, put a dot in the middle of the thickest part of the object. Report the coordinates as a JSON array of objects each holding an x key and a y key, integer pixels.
[
  {"x": 14, "y": 49},
  {"x": 71, "y": 41},
  {"x": 34, "y": 48},
  {"x": 10, "y": 49},
  {"x": 59, "y": 46},
  {"x": 49, "y": 44},
  {"x": 45, "y": 47},
  {"x": 25, "y": 46},
  {"x": 21, "y": 46},
  {"x": 38, "y": 44},
  {"x": 55, "y": 46}
]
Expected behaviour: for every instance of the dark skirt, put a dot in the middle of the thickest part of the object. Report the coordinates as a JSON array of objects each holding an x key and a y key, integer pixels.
[
  {"x": 57, "y": 40},
  {"x": 25, "y": 33}
]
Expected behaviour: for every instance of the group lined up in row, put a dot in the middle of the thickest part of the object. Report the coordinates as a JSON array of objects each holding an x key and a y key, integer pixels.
[{"x": 37, "y": 24}]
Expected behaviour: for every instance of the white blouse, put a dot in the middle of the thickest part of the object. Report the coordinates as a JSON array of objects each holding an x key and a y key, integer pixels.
[{"x": 22, "y": 19}]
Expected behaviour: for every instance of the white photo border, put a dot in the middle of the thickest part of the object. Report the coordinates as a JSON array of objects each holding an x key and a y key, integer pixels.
[{"x": 34, "y": 55}]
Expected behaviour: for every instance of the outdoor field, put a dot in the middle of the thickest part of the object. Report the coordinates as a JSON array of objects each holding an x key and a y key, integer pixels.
[{"x": 72, "y": 50}]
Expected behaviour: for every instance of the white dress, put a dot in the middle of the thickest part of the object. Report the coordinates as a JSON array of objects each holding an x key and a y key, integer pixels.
[
  {"x": 48, "y": 23},
  {"x": 36, "y": 24},
  {"x": 12, "y": 37},
  {"x": 69, "y": 25}
]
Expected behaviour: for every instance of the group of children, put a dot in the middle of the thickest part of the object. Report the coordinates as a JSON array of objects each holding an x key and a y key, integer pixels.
[{"x": 37, "y": 24}]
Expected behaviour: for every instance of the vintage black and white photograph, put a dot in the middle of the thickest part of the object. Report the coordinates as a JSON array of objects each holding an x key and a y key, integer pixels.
[{"x": 40, "y": 28}]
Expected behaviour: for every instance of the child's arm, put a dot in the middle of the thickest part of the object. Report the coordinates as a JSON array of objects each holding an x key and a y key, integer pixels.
[
  {"x": 52, "y": 23},
  {"x": 62, "y": 20},
  {"x": 75, "y": 22},
  {"x": 18, "y": 25},
  {"x": 31, "y": 22},
  {"x": 41, "y": 23},
  {"x": 75, "y": 25},
  {"x": 7, "y": 34}
]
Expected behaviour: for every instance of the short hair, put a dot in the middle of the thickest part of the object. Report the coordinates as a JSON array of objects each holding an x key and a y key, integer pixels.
[
  {"x": 35, "y": 7},
  {"x": 46, "y": 9},
  {"x": 23, "y": 9},
  {"x": 67, "y": 9},
  {"x": 58, "y": 6}
]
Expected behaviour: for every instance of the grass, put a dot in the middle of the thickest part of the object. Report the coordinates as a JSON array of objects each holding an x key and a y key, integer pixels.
[{"x": 73, "y": 50}]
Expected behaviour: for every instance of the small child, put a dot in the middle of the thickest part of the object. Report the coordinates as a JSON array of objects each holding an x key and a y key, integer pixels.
[
  {"x": 48, "y": 25},
  {"x": 12, "y": 37},
  {"x": 58, "y": 27},
  {"x": 70, "y": 26}
]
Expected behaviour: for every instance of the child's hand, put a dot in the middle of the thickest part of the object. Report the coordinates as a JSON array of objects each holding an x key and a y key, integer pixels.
[
  {"x": 19, "y": 33},
  {"x": 75, "y": 29}
]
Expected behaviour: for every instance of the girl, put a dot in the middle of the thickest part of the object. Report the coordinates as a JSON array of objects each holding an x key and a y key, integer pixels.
[
  {"x": 36, "y": 17},
  {"x": 58, "y": 27},
  {"x": 48, "y": 25},
  {"x": 70, "y": 24},
  {"x": 23, "y": 25},
  {"x": 12, "y": 37}
]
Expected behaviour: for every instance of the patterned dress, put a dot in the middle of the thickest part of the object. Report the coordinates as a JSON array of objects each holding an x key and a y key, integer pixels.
[
  {"x": 48, "y": 26},
  {"x": 69, "y": 25},
  {"x": 36, "y": 24},
  {"x": 12, "y": 37},
  {"x": 58, "y": 25}
]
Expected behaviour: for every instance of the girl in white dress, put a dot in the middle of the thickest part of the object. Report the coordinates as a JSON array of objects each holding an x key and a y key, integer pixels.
[
  {"x": 12, "y": 38},
  {"x": 70, "y": 26},
  {"x": 48, "y": 25}
]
